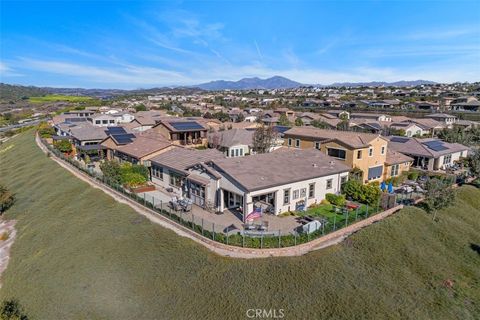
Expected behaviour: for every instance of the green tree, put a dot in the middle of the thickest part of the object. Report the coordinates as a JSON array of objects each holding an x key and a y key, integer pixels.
[
  {"x": 140, "y": 107},
  {"x": 343, "y": 125},
  {"x": 299, "y": 122},
  {"x": 111, "y": 171},
  {"x": 11, "y": 310},
  {"x": 283, "y": 120},
  {"x": 473, "y": 162},
  {"x": 439, "y": 194},
  {"x": 64, "y": 146},
  {"x": 320, "y": 124}
]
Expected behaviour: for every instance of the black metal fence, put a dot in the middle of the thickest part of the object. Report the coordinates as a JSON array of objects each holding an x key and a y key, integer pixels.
[{"x": 218, "y": 232}]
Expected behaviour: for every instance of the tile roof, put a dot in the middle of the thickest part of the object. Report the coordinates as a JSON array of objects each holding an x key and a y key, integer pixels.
[
  {"x": 352, "y": 139},
  {"x": 230, "y": 138},
  {"x": 262, "y": 171},
  {"x": 144, "y": 144},
  {"x": 394, "y": 157},
  {"x": 417, "y": 147},
  {"x": 181, "y": 159}
]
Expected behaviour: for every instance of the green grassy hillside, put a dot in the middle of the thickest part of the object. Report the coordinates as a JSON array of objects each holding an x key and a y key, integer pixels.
[{"x": 81, "y": 255}]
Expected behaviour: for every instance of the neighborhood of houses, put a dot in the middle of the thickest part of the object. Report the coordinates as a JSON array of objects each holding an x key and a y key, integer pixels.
[{"x": 256, "y": 163}]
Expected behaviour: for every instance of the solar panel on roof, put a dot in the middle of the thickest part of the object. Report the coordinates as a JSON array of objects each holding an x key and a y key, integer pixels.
[
  {"x": 115, "y": 130},
  {"x": 182, "y": 126},
  {"x": 123, "y": 138},
  {"x": 435, "y": 145},
  {"x": 399, "y": 139}
]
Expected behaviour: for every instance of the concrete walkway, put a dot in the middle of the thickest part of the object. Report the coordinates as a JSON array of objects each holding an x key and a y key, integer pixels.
[{"x": 216, "y": 247}]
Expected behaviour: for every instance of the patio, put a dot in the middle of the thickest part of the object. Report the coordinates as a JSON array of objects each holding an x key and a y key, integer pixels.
[{"x": 219, "y": 222}]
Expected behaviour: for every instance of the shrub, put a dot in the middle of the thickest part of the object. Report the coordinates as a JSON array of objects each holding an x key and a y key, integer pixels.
[
  {"x": 111, "y": 171},
  {"x": 413, "y": 175},
  {"x": 369, "y": 194},
  {"x": 4, "y": 236},
  {"x": 7, "y": 199},
  {"x": 133, "y": 179},
  {"x": 45, "y": 130},
  {"x": 64, "y": 146},
  {"x": 337, "y": 200},
  {"x": 11, "y": 310}
]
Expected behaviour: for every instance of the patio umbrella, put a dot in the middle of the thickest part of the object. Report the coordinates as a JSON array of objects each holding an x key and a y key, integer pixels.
[
  {"x": 383, "y": 186},
  {"x": 390, "y": 188}
]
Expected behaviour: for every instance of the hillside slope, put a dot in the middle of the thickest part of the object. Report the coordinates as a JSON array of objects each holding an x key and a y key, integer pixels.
[{"x": 80, "y": 255}]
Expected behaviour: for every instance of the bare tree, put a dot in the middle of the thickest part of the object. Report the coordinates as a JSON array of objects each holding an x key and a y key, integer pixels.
[{"x": 263, "y": 138}]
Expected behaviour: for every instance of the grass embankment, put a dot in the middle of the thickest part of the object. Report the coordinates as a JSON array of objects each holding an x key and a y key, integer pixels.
[
  {"x": 81, "y": 255},
  {"x": 58, "y": 97}
]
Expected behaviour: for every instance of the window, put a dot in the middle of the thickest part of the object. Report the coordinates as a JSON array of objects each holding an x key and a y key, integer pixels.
[
  {"x": 370, "y": 152},
  {"x": 383, "y": 149},
  {"x": 286, "y": 196},
  {"x": 311, "y": 190},
  {"x": 337, "y": 153},
  {"x": 375, "y": 173},
  {"x": 104, "y": 121},
  {"x": 447, "y": 159},
  {"x": 232, "y": 152},
  {"x": 394, "y": 171},
  {"x": 297, "y": 143},
  {"x": 112, "y": 121},
  {"x": 98, "y": 122},
  {"x": 237, "y": 152},
  {"x": 359, "y": 154},
  {"x": 303, "y": 192},
  {"x": 157, "y": 172},
  {"x": 296, "y": 194},
  {"x": 175, "y": 180},
  {"x": 461, "y": 154},
  {"x": 317, "y": 145},
  {"x": 241, "y": 152},
  {"x": 290, "y": 142},
  {"x": 329, "y": 183},
  {"x": 343, "y": 179}
]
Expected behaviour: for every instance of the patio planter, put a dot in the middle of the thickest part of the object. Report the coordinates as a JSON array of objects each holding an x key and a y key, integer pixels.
[{"x": 142, "y": 189}]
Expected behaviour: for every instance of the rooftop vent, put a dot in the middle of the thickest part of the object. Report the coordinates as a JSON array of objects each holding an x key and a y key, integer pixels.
[{"x": 315, "y": 165}]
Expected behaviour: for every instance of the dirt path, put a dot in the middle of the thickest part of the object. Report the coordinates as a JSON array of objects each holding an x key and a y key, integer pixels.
[
  {"x": 216, "y": 247},
  {"x": 7, "y": 229}
]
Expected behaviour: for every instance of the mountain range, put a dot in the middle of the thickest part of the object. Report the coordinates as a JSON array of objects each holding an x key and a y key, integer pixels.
[{"x": 278, "y": 82}]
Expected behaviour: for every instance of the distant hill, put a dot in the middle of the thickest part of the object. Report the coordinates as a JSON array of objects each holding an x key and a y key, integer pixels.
[
  {"x": 275, "y": 82},
  {"x": 402, "y": 83},
  {"x": 9, "y": 92}
]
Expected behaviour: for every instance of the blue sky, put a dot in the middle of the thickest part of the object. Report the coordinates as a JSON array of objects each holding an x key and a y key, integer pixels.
[{"x": 128, "y": 44}]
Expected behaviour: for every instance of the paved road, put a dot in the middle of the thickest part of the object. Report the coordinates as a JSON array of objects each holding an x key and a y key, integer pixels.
[{"x": 20, "y": 125}]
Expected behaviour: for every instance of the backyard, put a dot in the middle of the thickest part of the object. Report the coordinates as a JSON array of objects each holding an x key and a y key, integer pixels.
[{"x": 95, "y": 258}]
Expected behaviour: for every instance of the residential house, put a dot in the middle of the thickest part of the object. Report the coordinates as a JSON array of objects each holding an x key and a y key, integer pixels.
[
  {"x": 396, "y": 163},
  {"x": 183, "y": 132},
  {"x": 447, "y": 119},
  {"x": 411, "y": 129},
  {"x": 233, "y": 143},
  {"x": 364, "y": 151},
  {"x": 469, "y": 103},
  {"x": 428, "y": 154}
]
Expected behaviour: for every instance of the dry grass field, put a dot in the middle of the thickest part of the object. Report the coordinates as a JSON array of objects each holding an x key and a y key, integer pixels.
[{"x": 81, "y": 255}]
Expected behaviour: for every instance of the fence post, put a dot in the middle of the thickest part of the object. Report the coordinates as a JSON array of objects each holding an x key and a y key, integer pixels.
[
  {"x": 144, "y": 199},
  {"x": 228, "y": 236},
  {"x": 279, "y": 235},
  {"x": 346, "y": 220},
  {"x": 202, "y": 226},
  {"x": 243, "y": 240},
  {"x": 334, "y": 221},
  {"x": 261, "y": 241},
  {"x": 308, "y": 233},
  {"x": 214, "y": 231},
  {"x": 153, "y": 203},
  {"x": 366, "y": 214},
  {"x": 356, "y": 214},
  {"x": 193, "y": 228},
  {"x": 295, "y": 238},
  {"x": 323, "y": 228}
]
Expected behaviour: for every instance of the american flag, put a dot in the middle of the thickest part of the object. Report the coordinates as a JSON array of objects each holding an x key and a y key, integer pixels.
[{"x": 257, "y": 213}]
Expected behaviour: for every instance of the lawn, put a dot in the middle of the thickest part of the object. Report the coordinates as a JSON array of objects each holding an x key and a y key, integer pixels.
[
  {"x": 57, "y": 97},
  {"x": 337, "y": 216},
  {"x": 81, "y": 255}
]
